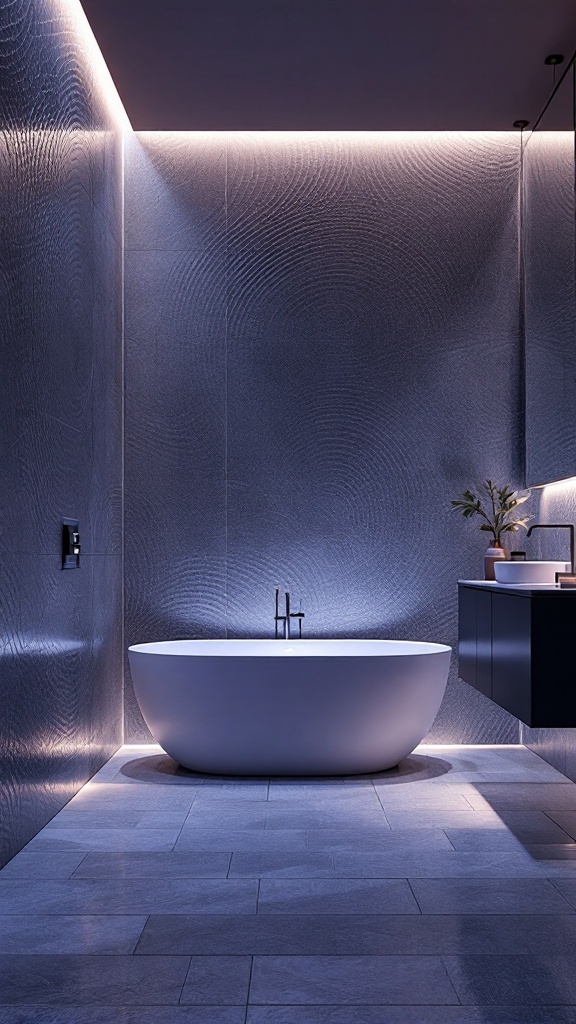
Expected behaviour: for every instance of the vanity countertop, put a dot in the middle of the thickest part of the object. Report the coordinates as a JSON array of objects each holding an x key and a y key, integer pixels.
[{"x": 523, "y": 589}]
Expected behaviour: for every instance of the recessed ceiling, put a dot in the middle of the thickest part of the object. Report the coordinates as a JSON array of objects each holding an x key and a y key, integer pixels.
[{"x": 184, "y": 65}]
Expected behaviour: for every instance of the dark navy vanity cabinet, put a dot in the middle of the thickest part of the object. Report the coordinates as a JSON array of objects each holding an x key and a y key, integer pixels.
[{"x": 517, "y": 645}]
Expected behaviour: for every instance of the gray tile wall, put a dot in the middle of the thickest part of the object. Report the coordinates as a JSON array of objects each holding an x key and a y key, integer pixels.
[
  {"x": 555, "y": 504},
  {"x": 550, "y": 306},
  {"x": 60, "y": 428},
  {"x": 322, "y": 350}
]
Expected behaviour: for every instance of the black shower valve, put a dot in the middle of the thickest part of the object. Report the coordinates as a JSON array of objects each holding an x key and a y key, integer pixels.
[{"x": 71, "y": 544}]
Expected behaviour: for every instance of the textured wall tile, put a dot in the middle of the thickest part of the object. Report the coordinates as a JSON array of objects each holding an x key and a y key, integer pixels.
[
  {"x": 556, "y": 504},
  {"x": 368, "y": 370},
  {"x": 175, "y": 449},
  {"x": 176, "y": 192},
  {"x": 60, "y": 432},
  {"x": 60, "y": 700},
  {"x": 550, "y": 281}
]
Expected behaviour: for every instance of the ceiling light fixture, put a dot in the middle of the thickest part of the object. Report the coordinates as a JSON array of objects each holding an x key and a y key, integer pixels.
[{"x": 553, "y": 60}]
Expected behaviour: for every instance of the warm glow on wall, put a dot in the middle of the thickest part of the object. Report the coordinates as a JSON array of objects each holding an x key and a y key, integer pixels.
[
  {"x": 559, "y": 487},
  {"x": 72, "y": 14},
  {"x": 328, "y": 136}
]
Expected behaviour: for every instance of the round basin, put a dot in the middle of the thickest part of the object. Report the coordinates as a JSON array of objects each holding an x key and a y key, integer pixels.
[{"x": 528, "y": 572}]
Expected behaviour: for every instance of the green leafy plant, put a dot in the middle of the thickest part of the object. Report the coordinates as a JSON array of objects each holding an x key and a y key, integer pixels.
[{"x": 496, "y": 506}]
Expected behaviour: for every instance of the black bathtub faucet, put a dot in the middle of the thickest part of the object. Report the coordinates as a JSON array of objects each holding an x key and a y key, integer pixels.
[
  {"x": 557, "y": 526},
  {"x": 284, "y": 632}
]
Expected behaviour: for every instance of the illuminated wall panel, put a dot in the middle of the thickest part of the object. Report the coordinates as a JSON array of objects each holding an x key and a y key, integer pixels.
[
  {"x": 61, "y": 401},
  {"x": 322, "y": 350}
]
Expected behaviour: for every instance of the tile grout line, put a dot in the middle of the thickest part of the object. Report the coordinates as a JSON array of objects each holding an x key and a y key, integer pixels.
[
  {"x": 559, "y": 891},
  {"x": 415, "y": 898},
  {"x": 179, "y": 1003},
  {"x": 249, "y": 988},
  {"x": 137, "y": 943},
  {"x": 450, "y": 982},
  {"x": 570, "y": 838}
]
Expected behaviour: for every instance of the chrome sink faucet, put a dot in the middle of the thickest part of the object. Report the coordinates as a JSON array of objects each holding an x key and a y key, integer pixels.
[
  {"x": 556, "y": 526},
  {"x": 285, "y": 633}
]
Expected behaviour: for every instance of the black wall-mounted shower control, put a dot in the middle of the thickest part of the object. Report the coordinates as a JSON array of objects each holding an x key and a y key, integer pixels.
[{"x": 70, "y": 544}]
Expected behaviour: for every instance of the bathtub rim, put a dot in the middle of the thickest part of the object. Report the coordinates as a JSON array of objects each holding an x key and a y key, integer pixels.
[{"x": 301, "y": 648}]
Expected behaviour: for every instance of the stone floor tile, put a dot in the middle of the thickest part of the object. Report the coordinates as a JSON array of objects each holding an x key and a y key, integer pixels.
[
  {"x": 567, "y": 887},
  {"x": 434, "y": 798},
  {"x": 95, "y": 839},
  {"x": 110, "y": 795},
  {"x": 360, "y": 935},
  {"x": 497, "y": 980},
  {"x": 217, "y": 980},
  {"x": 167, "y": 798},
  {"x": 230, "y": 793},
  {"x": 528, "y": 827},
  {"x": 227, "y": 816},
  {"x": 322, "y": 794},
  {"x": 534, "y": 826},
  {"x": 282, "y": 865},
  {"x": 373, "y": 839},
  {"x": 105, "y": 818},
  {"x": 469, "y": 758},
  {"x": 122, "y": 839},
  {"x": 444, "y": 864},
  {"x": 336, "y": 896},
  {"x": 539, "y": 796},
  {"x": 81, "y": 934},
  {"x": 42, "y": 865},
  {"x": 96, "y": 794},
  {"x": 240, "y": 784},
  {"x": 321, "y": 789},
  {"x": 337, "y": 817},
  {"x": 418, "y": 817},
  {"x": 130, "y": 896},
  {"x": 122, "y": 1015},
  {"x": 154, "y": 865},
  {"x": 339, "y": 806},
  {"x": 324, "y": 934},
  {"x": 162, "y": 819},
  {"x": 355, "y": 980},
  {"x": 410, "y": 1015},
  {"x": 545, "y": 934},
  {"x": 566, "y": 820},
  {"x": 486, "y": 841},
  {"x": 513, "y": 775},
  {"x": 551, "y": 851},
  {"x": 159, "y": 770},
  {"x": 225, "y": 840},
  {"x": 108, "y": 980},
  {"x": 489, "y": 896},
  {"x": 237, "y": 935}
]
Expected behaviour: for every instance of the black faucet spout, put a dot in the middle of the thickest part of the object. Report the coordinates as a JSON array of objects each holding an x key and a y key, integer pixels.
[
  {"x": 285, "y": 620},
  {"x": 557, "y": 526}
]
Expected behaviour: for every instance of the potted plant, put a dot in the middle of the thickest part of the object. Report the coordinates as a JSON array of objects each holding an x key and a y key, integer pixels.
[{"x": 496, "y": 506}]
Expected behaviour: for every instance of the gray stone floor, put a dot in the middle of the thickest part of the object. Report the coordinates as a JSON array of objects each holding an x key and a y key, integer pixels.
[{"x": 443, "y": 892}]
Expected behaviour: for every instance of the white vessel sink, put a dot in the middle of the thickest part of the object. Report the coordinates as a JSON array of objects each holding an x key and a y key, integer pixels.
[{"x": 528, "y": 572}]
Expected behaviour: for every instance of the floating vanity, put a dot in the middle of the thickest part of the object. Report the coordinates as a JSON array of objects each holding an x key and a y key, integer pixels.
[{"x": 517, "y": 645}]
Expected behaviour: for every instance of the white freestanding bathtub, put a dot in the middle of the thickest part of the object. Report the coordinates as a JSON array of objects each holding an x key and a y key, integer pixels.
[{"x": 275, "y": 707}]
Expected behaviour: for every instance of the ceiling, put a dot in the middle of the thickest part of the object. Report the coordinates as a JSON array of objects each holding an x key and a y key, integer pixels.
[{"x": 183, "y": 65}]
